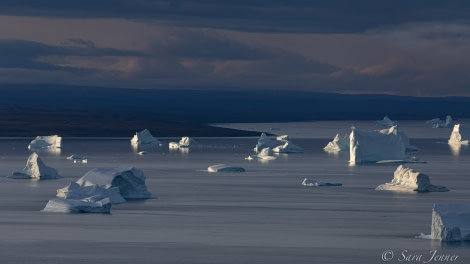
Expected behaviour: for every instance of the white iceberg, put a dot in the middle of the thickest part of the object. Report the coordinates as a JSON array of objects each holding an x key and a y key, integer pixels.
[
  {"x": 386, "y": 122},
  {"x": 144, "y": 137},
  {"x": 35, "y": 169},
  {"x": 185, "y": 142},
  {"x": 107, "y": 182},
  {"x": 288, "y": 147},
  {"x": 266, "y": 154},
  {"x": 224, "y": 168},
  {"x": 340, "y": 142},
  {"x": 409, "y": 180},
  {"x": 44, "y": 142},
  {"x": 77, "y": 158},
  {"x": 438, "y": 123},
  {"x": 376, "y": 145},
  {"x": 310, "y": 182},
  {"x": 460, "y": 135},
  {"x": 265, "y": 142},
  {"x": 78, "y": 206},
  {"x": 451, "y": 222},
  {"x": 173, "y": 145}
]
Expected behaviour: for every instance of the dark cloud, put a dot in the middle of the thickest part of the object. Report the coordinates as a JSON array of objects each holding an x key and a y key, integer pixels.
[{"x": 321, "y": 16}]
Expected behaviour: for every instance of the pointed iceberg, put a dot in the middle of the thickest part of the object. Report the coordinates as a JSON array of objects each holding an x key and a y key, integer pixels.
[
  {"x": 340, "y": 142},
  {"x": 386, "y": 122},
  {"x": 460, "y": 135},
  {"x": 144, "y": 137},
  {"x": 451, "y": 222},
  {"x": 409, "y": 180},
  {"x": 35, "y": 169}
]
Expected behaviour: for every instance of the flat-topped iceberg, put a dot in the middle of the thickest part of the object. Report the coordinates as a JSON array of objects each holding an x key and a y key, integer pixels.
[
  {"x": 224, "y": 168},
  {"x": 438, "y": 123},
  {"x": 144, "y": 137},
  {"x": 451, "y": 222},
  {"x": 340, "y": 142},
  {"x": 310, "y": 182},
  {"x": 128, "y": 182},
  {"x": 35, "y": 169},
  {"x": 460, "y": 135},
  {"x": 386, "y": 122},
  {"x": 376, "y": 145},
  {"x": 78, "y": 206},
  {"x": 266, "y": 154},
  {"x": 44, "y": 142},
  {"x": 408, "y": 180}
]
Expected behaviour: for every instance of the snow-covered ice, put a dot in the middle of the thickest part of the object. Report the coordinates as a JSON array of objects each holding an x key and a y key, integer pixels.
[
  {"x": 224, "y": 168},
  {"x": 44, "y": 142},
  {"x": 451, "y": 222},
  {"x": 386, "y": 122},
  {"x": 408, "y": 180},
  {"x": 460, "y": 135},
  {"x": 58, "y": 205},
  {"x": 144, "y": 137},
  {"x": 129, "y": 183},
  {"x": 310, "y": 182},
  {"x": 35, "y": 169},
  {"x": 376, "y": 145}
]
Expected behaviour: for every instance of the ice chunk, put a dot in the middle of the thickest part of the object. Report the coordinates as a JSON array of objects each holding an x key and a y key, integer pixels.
[
  {"x": 144, "y": 137},
  {"x": 372, "y": 146},
  {"x": 288, "y": 147},
  {"x": 266, "y": 154},
  {"x": 57, "y": 205},
  {"x": 409, "y": 180},
  {"x": 265, "y": 142},
  {"x": 185, "y": 142},
  {"x": 224, "y": 168},
  {"x": 310, "y": 182},
  {"x": 460, "y": 135},
  {"x": 75, "y": 191},
  {"x": 44, "y": 142},
  {"x": 130, "y": 182},
  {"x": 438, "y": 123},
  {"x": 386, "y": 122},
  {"x": 78, "y": 158},
  {"x": 340, "y": 142},
  {"x": 35, "y": 169},
  {"x": 451, "y": 222}
]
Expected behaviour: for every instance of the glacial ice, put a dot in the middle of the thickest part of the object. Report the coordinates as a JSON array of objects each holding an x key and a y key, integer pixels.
[
  {"x": 35, "y": 169},
  {"x": 224, "y": 168},
  {"x": 340, "y": 142},
  {"x": 144, "y": 137},
  {"x": 310, "y": 182},
  {"x": 408, "y": 180},
  {"x": 288, "y": 147},
  {"x": 44, "y": 142},
  {"x": 185, "y": 142},
  {"x": 451, "y": 222},
  {"x": 265, "y": 154},
  {"x": 58, "y": 205},
  {"x": 460, "y": 135},
  {"x": 386, "y": 122},
  {"x": 282, "y": 144},
  {"x": 438, "y": 123}
]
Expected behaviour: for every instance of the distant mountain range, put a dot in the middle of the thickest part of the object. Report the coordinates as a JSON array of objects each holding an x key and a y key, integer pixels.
[{"x": 76, "y": 110}]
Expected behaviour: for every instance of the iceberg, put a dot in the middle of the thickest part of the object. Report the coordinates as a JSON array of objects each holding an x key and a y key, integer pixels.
[
  {"x": 266, "y": 154},
  {"x": 409, "y": 180},
  {"x": 340, "y": 142},
  {"x": 386, "y": 122},
  {"x": 185, "y": 142},
  {"x": 107, "y": 182},
  {"x": 438, "y": 123},
  {"x": 288, "y": 147},
  {"x": 310, "y": 182},
  {"x": 144, "y": 137},
  {"x": 35, "y": 169},
  {"x": 78, "y": 206},
  {"x": 376, "y": 145},
  {"x": 460, "y": 135},
  {"x": 44, "y": 142},
  {"x": 77, "y": 158},
  {"x": 265, "y": 142},
  {"x": 451, "y": 222},
  {"x": 224, "y": 168}
]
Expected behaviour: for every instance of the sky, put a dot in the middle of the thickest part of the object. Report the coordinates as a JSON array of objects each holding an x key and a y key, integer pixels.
[{"x": 398, "y": 47}]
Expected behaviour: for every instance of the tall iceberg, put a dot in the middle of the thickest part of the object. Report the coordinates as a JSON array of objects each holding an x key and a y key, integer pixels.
[
  {"x": 409, "y": 180},
  {"x": 44, "y": 142},
  {"x": 451, "y": 222},
  {"x": 35, "y": 169},
  {"x": 376, "y": 145},
  {"x": 144, "y": 137},
  {"x": 460, "y": 135}
]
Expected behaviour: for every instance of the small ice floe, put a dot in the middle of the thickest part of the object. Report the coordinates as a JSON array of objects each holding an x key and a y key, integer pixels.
[
  {"x": 144, "y": 137},
  {"x": 386, "y": 122},
  {"x": 310, "y": 182},
  {"x": 460, "y": 135},
  {"x": 423, "y": 236},
  {"x": 224, "y": 168},
  {"x": 35, "y": 169},
  {"x": 451, "y": 222},
  {"x": 78, "y": 158},
  {"x": 266, "y": 154},
  {"x": 407, "y": 160},
  {"x": 409, "y": 180},
  {"x": 143, "y": 152},
  {"x": 57, "y": 205},
  {"x": 45, "y": 142}
]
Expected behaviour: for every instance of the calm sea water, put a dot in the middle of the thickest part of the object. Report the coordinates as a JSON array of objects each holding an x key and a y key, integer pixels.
[{"x": 263, "y": 215}]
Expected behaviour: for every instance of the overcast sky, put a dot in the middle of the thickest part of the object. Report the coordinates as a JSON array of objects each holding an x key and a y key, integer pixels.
[{"x": 403, "y": 47}]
